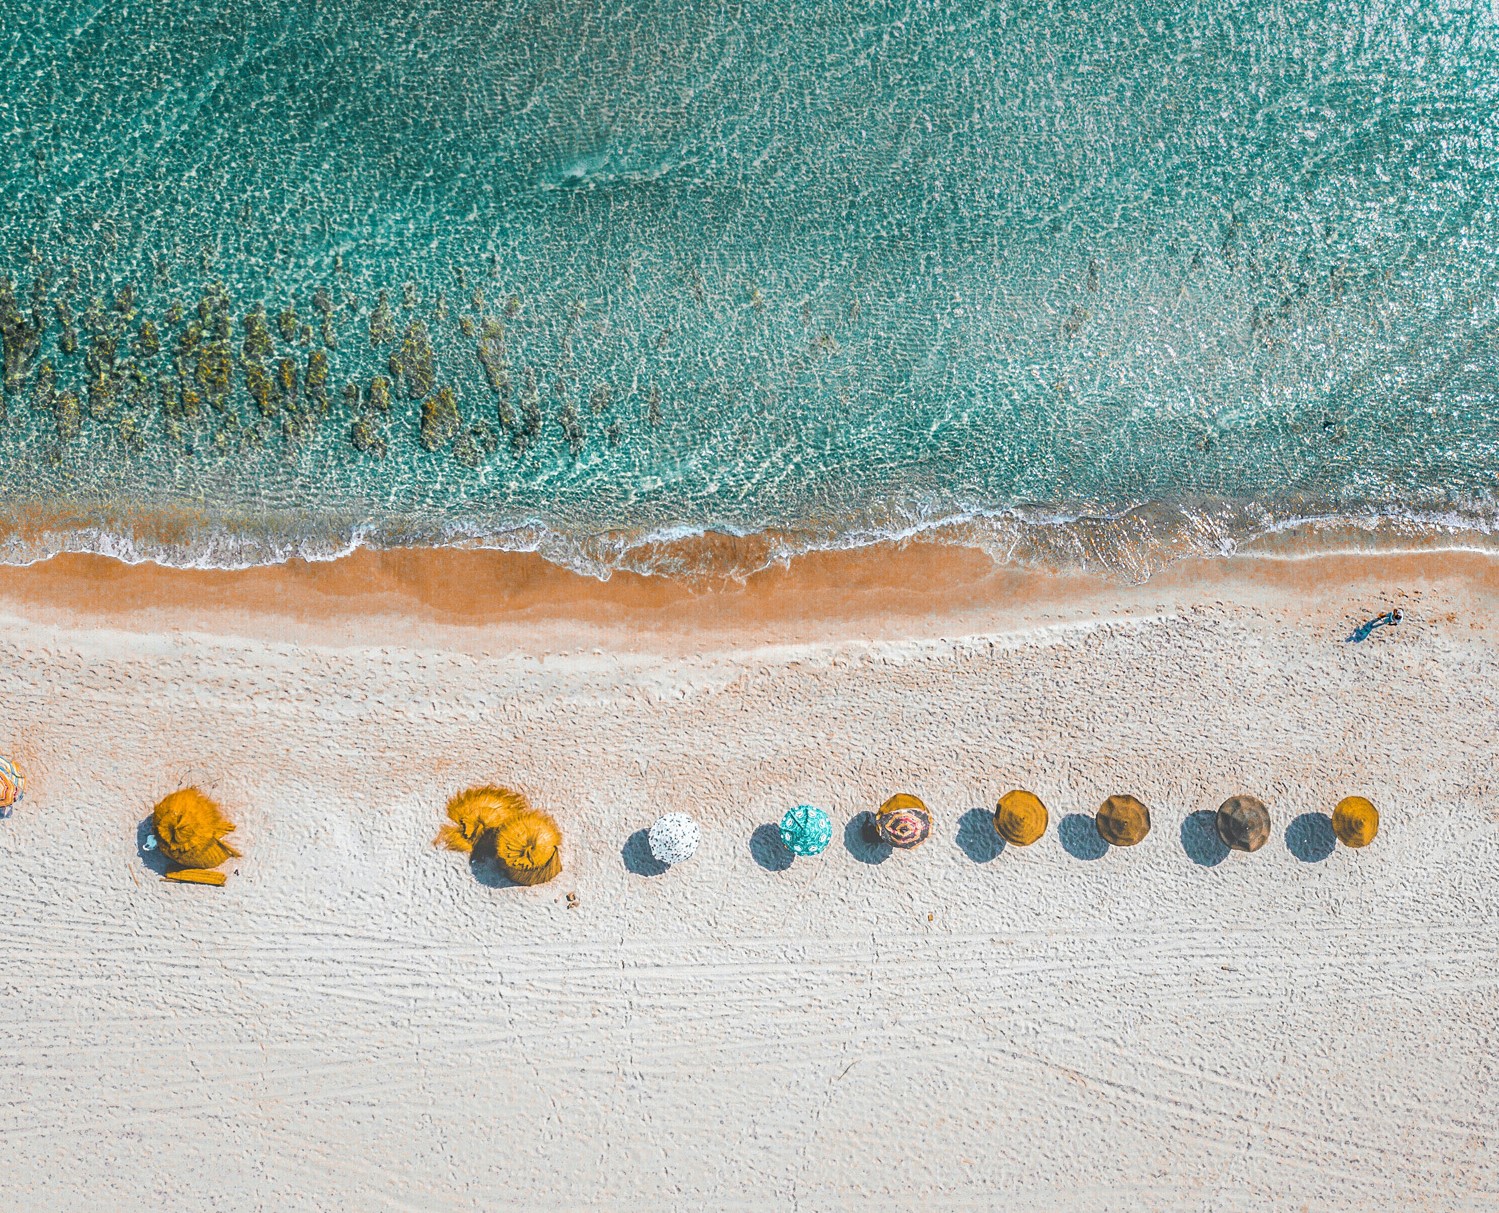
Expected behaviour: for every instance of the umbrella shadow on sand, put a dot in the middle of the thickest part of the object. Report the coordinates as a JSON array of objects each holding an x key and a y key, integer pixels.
[
  {"x": 637, "y": 857},
  {"x": 1199, "y": 835},
  {"x": 1080, "y": 837},
  {"x": 769, "y": 849},
  {"x": 861, "y": 841},
  {"x": 977, "y": 837},
  {"x": 152, "y": 856},
  {"x": 1310, "y": 837}
]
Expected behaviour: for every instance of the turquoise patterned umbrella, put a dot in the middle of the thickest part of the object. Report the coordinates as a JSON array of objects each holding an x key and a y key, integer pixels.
[{"x": 806, "y": 830}]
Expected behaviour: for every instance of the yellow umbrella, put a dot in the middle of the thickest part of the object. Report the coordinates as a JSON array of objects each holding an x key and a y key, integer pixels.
[
  {"x": 190, "y": 831},
  {"x": 525, "y": 841},
  {"x": 1020, "y": 817},
  {"x": 1122, "y": 821},
  {"x": 1355, "y": 821}
]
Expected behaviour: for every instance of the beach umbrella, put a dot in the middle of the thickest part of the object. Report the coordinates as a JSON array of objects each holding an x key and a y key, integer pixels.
[
  {"x": 1020, "y": 817},
  {"x": 1243, "y": 823},
  {"x": 12, "y": 786},
  {"x": 475, "y": 810},
  {"x": 806, "y": 830},
  {"x": 190, "y": 830},
  {"x": 526, "y": 844},
  {"x": 1122, "y": 821},
  {"x": 1355, "y": 821},
  {"x": 673, "y": 838},
  {"x": 903, "y": 821}
]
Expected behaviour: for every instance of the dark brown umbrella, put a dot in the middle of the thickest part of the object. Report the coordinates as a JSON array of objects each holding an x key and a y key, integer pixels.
[
  {"x": 1122, "y": 821},
  {"x": 1243, "y": 823}
]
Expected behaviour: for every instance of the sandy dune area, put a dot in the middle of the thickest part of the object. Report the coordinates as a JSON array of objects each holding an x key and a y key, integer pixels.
[{"x": 359, "y": 1022}]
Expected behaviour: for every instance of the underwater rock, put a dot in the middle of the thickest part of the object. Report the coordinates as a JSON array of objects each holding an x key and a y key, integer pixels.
[
  {"x": 379, "y": 394},
  {"x": 286, "y": 382},
  {"x": 476, "y": 444},
  {"x": 466, "y": 326},
  {"x": 409, "y": 296},
  {"x": 653, "y": 409},
  {"x": 530, "y": 416},
  {"x": 367, "y": 438},
  {"x": 615, "y": 434},
  {"x": 101, "y": 397},
  {"x": 304, "y": 335},
  {"x": 100, "y": 359},
  {"x": 329, "y": 337},
  {"x": 316, "y": 379},
  {"x": 382, "y": 322},
  {"x": 416, "y": 361},
  {"x": 258, "y": 341},
  {"x": 440, "y": 419},
  {"x": 491, "y": 354},
  {"x": 258, "y": 384},
  {"x": 22, "y": 341},
  {"x": 130, "y": 434},
  {"x": 351, "y": 398},
  {"x": 572, "y": 428},
  {"x": 599, "y": 400},
  {"x": 322, "y": 302},
  {"x": 147, "y": 340},
  {"x": 44, "y": 393},
  {"x": 287, "y": 323},
  {"x": 68, "y": 416},
  {"x": 212, "y": 374}
]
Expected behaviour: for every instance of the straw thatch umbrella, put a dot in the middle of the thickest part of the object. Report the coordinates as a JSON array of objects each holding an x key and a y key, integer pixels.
[
  {"x": 527, "y": 846},
  {"x": 673, "y": 838},
  {"x": 525, "y": 842},
  {"x": 806, "y": 830},
  {"x": 190, "y": 830},
  {"x": 1020, "y": 817},
  {"x": 12, "y": 786},
  {"x": 1243, "y": 823},
  {"x": 475, "y": 810},
  {"x": 1122, "y": 821},
  {"x": 903, "y": 821},
  {"x": 1355, "y": 821}
]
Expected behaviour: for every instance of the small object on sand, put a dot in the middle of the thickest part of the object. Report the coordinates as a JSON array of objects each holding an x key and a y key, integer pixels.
[
  {"x": 673, "y": 838},
  {"x": 1388, "y": 619},
  {"x": 1122, "y": 821},
  {"x": 190, "y": 830},
  {"x": 525, "y": 842},
  {"x": 12, "y": 786},
  {"x": 903, "y": 821},
  {"x": 196, "y": 876},
  {"x": 1020, "y": 817},
  {"x": 806, "y": 830},
  {"x": 1355, "y": 821},
  {"x": 1243, "y": 823}
]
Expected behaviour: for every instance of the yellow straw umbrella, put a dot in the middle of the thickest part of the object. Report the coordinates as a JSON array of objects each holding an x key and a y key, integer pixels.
[
  {"x": 525, "y": 841},
  {"x": 1020, "y": 817},
  {"x": 1355, "y": 821},
  {"x": 1122, "y": 821},
  {"x": 190, "y": 830}
]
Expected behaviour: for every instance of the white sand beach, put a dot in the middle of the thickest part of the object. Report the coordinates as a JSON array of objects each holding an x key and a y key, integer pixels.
[{"x": 355, "y": 1022}]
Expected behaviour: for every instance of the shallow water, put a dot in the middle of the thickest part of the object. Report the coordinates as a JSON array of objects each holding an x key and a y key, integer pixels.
[{"x": 1091, "y": 283}]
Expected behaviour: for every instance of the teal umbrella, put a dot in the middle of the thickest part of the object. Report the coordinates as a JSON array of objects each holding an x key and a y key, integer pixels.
[{"x": 806, "y": 830}]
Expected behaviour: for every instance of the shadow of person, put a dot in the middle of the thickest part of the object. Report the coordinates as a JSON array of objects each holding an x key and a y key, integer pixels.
[
  {"x": 1199, "y": 834},
  {"x": 769, "y": 849},
  {"x": 1080, "y": 837},
  {"x": 152, "y": 856},
  {"x": 637, "y": 856},
  {"x": 1310, "y": 837},
  {"x": 485, "y": 864},
  {"x": 977, "y": 837},
  {"x": 860, "y": 840}
]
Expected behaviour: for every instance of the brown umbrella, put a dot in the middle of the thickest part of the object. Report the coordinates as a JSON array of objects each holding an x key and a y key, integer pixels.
[
  {"x": 1122, "y": 821},
  {"x": 1243, "y": 823},
  {"x": 1020, "y": 817},
  {"x": 903, "y": 821},
  {"x": 1355, "y": 821}
]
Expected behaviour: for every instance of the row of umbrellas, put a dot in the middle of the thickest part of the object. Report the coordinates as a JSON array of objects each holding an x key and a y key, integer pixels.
[{"x": 500, "y": 824}]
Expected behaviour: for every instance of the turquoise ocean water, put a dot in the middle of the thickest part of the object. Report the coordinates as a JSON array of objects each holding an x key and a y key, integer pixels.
[{"x": 1091, "y": 282}]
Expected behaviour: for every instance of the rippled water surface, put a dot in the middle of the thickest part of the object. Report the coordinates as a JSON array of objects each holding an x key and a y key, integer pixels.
[{"x": 1103, "y": 281}]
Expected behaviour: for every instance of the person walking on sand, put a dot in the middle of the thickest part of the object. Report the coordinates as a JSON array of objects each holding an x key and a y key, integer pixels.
[{"x": 1362, "y": 632}]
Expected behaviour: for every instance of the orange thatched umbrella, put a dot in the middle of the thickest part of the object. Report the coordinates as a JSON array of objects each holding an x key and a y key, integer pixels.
[
  {"x": 1020, "y": 817},
  {"x": 190, "y": 830},
  {"x": 1355, "y": 821},
  {"x": 1122, "y": 821},
  {"x": 903, "y": 821},
  {"x": 525, "y": 841},
  {"x": 1243, "y": 823}
]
